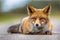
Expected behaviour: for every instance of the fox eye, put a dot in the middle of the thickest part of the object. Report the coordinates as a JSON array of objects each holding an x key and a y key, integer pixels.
[{"x": 42, "y": 19}]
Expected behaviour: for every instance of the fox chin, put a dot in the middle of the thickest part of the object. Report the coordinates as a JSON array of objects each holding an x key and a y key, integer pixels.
[{"x": 37, "y": 21}]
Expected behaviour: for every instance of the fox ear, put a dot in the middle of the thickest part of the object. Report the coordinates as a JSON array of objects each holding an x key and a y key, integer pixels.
[
  {"x": 30, "y": 9},
  {"x": 47, "y": 8}
]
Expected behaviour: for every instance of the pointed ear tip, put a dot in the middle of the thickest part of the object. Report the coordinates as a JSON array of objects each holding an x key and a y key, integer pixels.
[
  {"x": 49, "y": 5},
  {"x": 28, "y": 6}
]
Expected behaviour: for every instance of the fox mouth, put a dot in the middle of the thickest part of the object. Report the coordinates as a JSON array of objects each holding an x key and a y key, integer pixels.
[{"x": 40, "y": 28}]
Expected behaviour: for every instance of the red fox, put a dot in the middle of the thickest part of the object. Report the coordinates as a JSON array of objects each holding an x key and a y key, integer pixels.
[{"x": 37, "y": 21}]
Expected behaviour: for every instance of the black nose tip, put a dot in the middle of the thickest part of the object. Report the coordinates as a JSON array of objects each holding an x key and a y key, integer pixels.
[{"x": 36, "y": 24}]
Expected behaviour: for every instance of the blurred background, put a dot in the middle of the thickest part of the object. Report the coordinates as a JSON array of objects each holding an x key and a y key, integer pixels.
[{"x": 12, "y": 12}]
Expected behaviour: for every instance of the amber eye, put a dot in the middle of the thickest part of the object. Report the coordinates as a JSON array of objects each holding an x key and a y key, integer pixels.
[
  {"x": 42, "y": 19},
  {"x": 33, "y": 18}
]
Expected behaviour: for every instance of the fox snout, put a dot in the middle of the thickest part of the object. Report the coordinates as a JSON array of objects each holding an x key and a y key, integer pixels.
[{"x": 38, "y": 25}]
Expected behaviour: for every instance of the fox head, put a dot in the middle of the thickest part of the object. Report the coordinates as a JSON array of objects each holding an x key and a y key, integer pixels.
[{"x": 39, "y": 17}]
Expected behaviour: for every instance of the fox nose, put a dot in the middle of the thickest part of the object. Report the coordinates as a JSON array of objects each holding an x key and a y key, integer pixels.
[{"x": 37, "y": 24}]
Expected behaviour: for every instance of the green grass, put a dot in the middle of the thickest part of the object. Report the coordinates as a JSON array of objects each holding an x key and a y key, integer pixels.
[{"x": 7, "y": 17}]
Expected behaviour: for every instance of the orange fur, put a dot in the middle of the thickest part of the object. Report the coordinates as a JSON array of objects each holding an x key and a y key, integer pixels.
[{"x": 35, "y": 13}]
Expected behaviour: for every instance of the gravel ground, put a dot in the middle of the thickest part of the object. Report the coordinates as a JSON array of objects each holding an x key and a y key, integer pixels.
[{"x": 29, "y": 37}]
